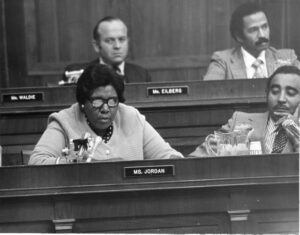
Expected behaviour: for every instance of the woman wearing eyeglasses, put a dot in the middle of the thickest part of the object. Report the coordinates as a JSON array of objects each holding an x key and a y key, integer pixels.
[{"x": 120, "y": 131}]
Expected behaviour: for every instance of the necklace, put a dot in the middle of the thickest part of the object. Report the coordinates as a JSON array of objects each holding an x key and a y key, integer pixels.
[{"x": 107, "y": 133}]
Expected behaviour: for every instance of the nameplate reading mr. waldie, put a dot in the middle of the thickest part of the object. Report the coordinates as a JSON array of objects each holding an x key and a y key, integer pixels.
[
  {"x": 172, "y": 90},
  {"x": 149, "y": 171},
  {"x": 22, "y": 97}
]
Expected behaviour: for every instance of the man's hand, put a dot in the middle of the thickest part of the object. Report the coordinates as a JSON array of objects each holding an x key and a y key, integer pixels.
[
  {"x": 290, "y": 123},
  {"x": 292, "y": 132}
]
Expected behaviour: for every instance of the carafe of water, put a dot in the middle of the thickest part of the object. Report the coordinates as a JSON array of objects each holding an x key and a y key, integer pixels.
[{"x": 229, "y": 143}]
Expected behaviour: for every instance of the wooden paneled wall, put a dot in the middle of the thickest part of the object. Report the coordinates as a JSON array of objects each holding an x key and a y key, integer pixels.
[
  {"x": 3, "y": 54},
  {"x": 174, "y": 39}
]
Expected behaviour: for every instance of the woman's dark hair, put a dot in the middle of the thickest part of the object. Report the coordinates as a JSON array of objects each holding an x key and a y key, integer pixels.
[
  {"x": 237, "y": 21},
  {"x": 98, "y": 75},
  {"x": 286, "y": 69}
]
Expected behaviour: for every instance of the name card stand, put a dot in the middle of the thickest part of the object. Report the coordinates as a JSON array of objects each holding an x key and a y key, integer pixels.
[
  {"x": 22, "y": 97},
  {"x": 149, "y": 171},
  {"x": 167, "y": 90}
]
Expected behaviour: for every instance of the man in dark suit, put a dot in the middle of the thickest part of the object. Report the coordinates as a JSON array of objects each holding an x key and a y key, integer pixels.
[
  {"x": 277, "y": 129},
  {"x": 254, "y": 57},
  {"x": 110, "y": 42}
]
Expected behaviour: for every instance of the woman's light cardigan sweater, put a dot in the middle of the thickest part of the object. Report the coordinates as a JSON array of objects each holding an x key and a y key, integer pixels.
[{"x": 133, "y": 137}]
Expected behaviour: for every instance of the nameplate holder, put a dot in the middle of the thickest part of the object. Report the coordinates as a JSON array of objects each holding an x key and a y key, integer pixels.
[
  {"x": 167, "y": 90},
  {"x": 23, "y": 97},
  {"x": 149, "y": 171}
]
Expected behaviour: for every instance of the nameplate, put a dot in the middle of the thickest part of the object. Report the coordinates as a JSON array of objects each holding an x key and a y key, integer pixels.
[
  {"x": 22, "y": 97},
  {"x": 149, "y": 171},
  {"x": 172, "y": 90}
]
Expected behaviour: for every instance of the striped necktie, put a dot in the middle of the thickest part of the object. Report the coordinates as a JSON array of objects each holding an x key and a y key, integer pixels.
[
  {"x": 280, "y": 140},
  {"x": 257, "y": 65}
]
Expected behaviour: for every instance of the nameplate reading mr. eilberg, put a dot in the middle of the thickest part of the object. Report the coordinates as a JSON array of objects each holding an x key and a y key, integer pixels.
[
  {"x": 22, "y": 97},
  {"x": 149, "y": 171},
  {"x": 172, "y": 90}
]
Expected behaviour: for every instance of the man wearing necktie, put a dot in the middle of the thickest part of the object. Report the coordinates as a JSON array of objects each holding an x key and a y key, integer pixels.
[
  {"x": 277, "y": 129},
  {"x": 258, "y": 69},
  {"x": 253, "y": 57},
  {"x": 283, "y": 97},
  {"x": 111, "y": 42}
]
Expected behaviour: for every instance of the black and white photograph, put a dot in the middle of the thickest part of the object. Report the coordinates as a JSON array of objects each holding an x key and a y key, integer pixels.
[{"x": 149, "y": 116}]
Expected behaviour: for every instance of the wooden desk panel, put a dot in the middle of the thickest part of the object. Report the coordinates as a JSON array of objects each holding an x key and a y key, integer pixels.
[
  {"x": 246, "y": 194},
  {"x": 183, "y": 120},
  {"x": 199, "y": 92}
]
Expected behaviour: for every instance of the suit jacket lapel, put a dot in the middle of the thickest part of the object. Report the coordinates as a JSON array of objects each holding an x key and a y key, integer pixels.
[
  {"x": 238, "y": 67},
  {"x": 270, "y": 61},
  {"x": 260, "y": 125},
  {"x": 126, "y": 72}
]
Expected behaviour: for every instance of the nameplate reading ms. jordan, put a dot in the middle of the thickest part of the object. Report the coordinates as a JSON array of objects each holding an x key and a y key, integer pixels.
[
  {"x": 22, "y": 97},
  {"x": 149, "y": 171},
  {"x": 172, "y": 90}
]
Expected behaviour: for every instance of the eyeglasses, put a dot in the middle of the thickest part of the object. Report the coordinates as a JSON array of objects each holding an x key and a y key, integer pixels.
[{"x": 99, "y": 102}]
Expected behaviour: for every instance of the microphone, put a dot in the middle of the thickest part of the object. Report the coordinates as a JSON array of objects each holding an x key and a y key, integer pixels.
[
  {"x": 97, "y": 141},
  {"x": 288, "y": 122},
  {"x": 290, "y": 126},
  {"x": 73, "y": 76},
  {"x": 82, "y": 144}
]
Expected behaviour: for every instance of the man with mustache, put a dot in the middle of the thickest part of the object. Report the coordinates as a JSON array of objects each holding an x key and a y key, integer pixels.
[
  {"x": 253, "y": 58},
  {"x": 277, "y": 129},
  {"x": 110, "y": 42}
]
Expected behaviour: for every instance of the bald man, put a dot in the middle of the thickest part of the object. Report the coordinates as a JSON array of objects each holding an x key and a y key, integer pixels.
[{"x": 110, "y": 42}]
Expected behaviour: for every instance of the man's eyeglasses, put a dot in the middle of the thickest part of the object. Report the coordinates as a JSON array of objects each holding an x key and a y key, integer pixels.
[{"x": 99, "y": 102}]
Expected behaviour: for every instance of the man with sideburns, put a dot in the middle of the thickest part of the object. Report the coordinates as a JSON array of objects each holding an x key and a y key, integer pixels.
[
  {"x": 253, "y": 57},
  {"x": 277, "y": 129}
]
